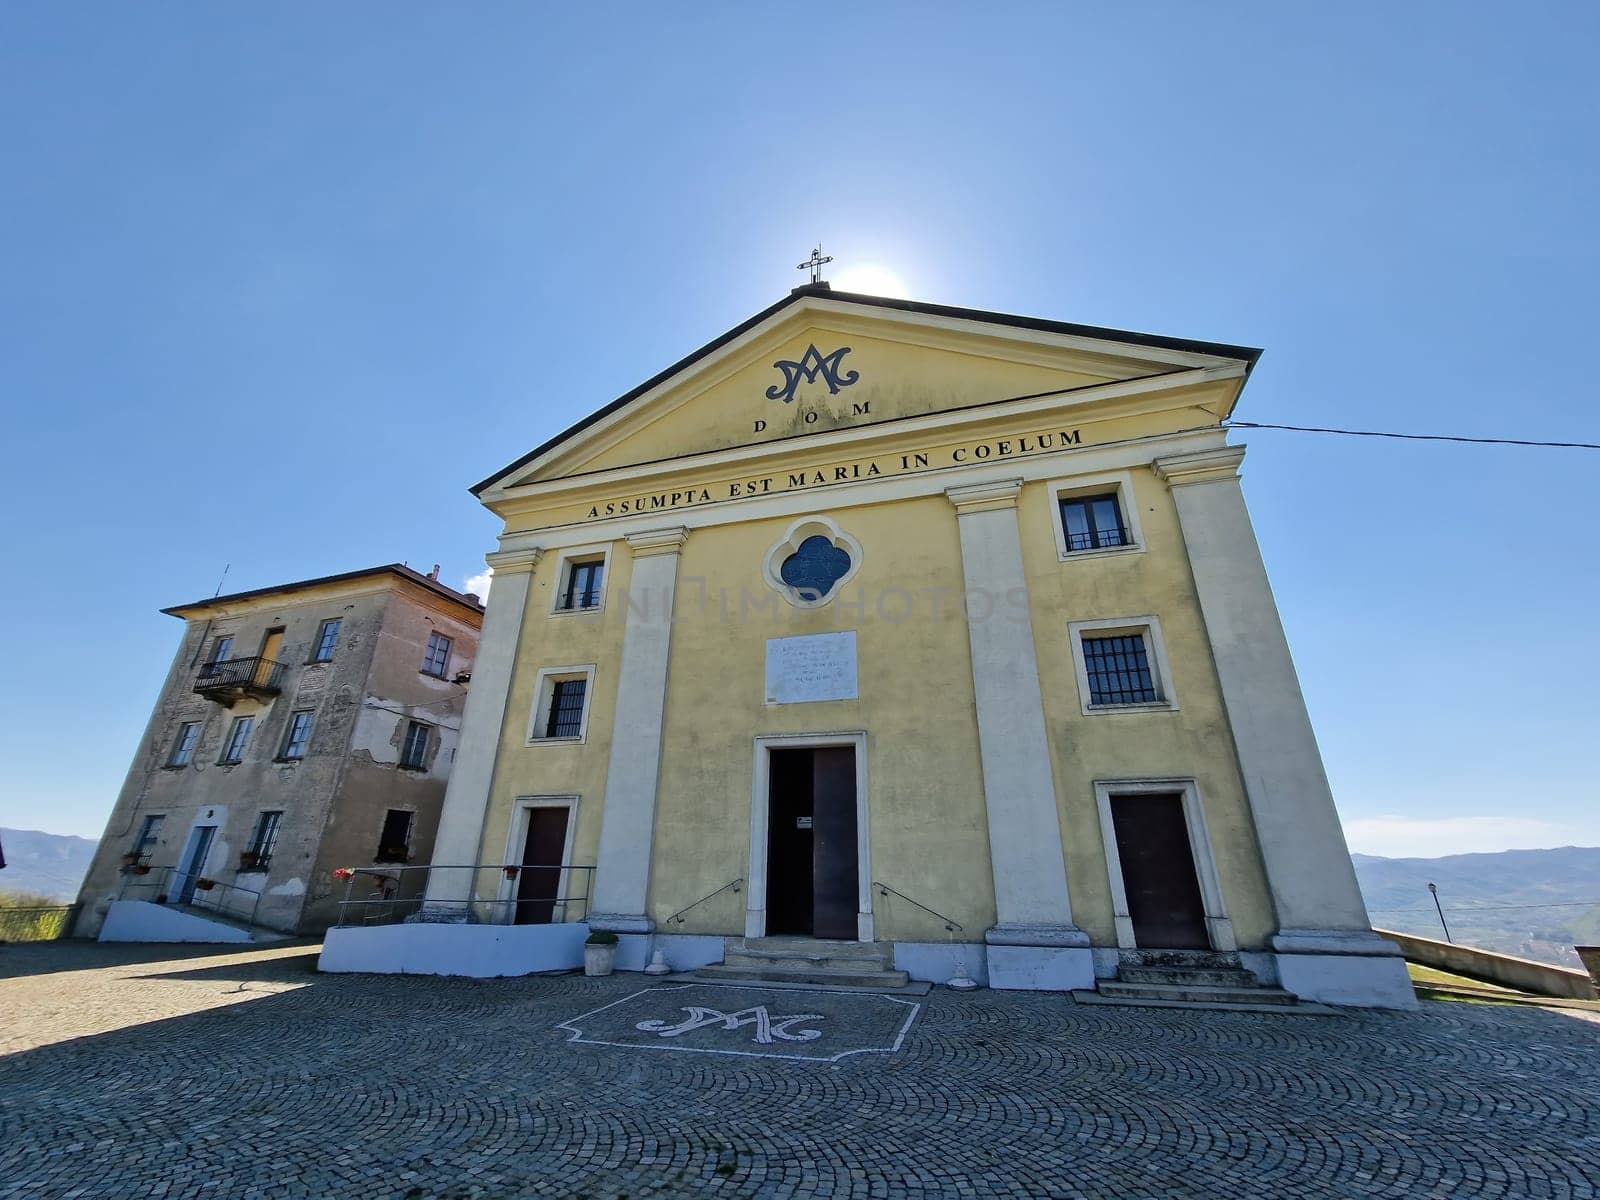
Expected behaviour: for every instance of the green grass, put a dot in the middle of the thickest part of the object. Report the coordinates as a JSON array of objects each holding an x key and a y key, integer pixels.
[
  {"x": 1426, "y": 975},
  {"x": 25, "y": 918}
]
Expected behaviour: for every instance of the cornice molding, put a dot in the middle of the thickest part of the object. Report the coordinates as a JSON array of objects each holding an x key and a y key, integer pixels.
[
  {"x": 1200, "y": 466},
  {"x": 512, "y": 562},
  {"x": 657, "y": 541},
  {"x": 983, "y": 497}
]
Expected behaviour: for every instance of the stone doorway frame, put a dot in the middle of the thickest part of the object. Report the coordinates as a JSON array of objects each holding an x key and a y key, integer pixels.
[
  {"x": 1219, "y": 928},
  {"x": 755, "y": 917}
]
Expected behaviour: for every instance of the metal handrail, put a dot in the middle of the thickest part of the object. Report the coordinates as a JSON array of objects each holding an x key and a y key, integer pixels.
[
  {"x": 678, "y": 916},
  {"x": 950, "y": 923},
  {"x": 387, "y": 904},
  {"x": 169, "y": 882}
]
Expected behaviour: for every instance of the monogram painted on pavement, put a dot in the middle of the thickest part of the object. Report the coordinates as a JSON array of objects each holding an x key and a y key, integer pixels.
[
  {"x": 811, "y": 365},
  {"x": 767, "y": 1026}
]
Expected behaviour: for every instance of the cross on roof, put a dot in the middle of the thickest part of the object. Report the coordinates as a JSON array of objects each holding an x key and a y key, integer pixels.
[{"x": 814, "y": 264}]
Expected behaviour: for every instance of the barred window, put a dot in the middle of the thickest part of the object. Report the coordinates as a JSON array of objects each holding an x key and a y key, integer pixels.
[
  {"x": 582, "y": 588},
  {"x": 566, "y": 709},
  {"x": 1093, "y": 522},
  {"x": 1118, "y": 669},
  {"x": 298, "y": 736},
  {"x": 184, "y": 744},
  {"x": 437, "y": 656},
  {"x": 327, "y": 639},
  {"x": 415, "y": 751}
]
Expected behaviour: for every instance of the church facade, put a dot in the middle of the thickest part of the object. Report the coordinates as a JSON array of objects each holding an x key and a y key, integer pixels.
[{"x": 891, "y": 622}]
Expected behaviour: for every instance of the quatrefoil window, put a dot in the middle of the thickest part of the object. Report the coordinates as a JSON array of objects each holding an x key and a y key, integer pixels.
[
  {"x": 812, "y": 562},
  {"x": 816, "y": 567}
]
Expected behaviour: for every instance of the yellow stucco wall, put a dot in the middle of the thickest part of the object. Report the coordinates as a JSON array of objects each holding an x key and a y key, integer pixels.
[{"x": 928, "y": 828}]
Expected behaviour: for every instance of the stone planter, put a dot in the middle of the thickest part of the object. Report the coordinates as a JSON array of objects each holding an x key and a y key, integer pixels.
[
  {"x": 599, "y": 959},
  {"x": 1589, "y": 956}
]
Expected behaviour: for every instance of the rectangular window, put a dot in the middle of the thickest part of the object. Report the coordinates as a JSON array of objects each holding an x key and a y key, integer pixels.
[
  {"x": 238, "y": 738},
  {"x": 1093, "y": 522},
  {"x": 582, "y": 588},
  {"x": 145, "y": 844},
  {"x": 437, "y": 656},
  {"x": 394, "y": 843},
  {"x": 327, "y": 639},
  {"x": 184, "y": 744},
  {"x": 1118, "y": 670},
  {"x": 265, "y": 837},
  {"x": 415, "y": 752},
  {"x": 566, "y": 708},
  {"x": 221, "y": 649},
  {"x": 298, "y": 736}
]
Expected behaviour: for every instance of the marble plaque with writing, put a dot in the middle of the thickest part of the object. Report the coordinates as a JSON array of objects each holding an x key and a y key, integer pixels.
[{"x": 819, "y": 666}]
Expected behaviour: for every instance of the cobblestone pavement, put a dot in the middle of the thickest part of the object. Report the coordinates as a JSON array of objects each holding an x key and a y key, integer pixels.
[{"x": 201, "y": 1072}]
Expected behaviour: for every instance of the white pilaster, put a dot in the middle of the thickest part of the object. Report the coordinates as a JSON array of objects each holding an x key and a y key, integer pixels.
[
  {"x": 466, "y": 797},
  {"x": 1325, "y": 939},
  {"x": 1034, "y": 943},
  {"x": 628, "y": 819}
]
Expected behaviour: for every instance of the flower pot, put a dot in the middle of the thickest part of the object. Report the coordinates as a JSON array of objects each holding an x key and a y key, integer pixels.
[
  {"x": 204, "y": 885},
  {"x": 140, "y": 869},
  {"x": 511, "y": 872},
  {"x": 599, "y": 960}
]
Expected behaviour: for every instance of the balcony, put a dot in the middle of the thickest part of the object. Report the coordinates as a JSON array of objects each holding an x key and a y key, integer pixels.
[{"x": 239, "y": 679}]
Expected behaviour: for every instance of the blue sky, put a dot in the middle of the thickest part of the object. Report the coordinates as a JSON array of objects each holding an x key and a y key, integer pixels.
[{"x": 280, "y": 281}]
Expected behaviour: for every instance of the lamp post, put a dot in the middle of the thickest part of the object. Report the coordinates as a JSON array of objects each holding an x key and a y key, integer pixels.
[{"x": 1434, "y": 888}]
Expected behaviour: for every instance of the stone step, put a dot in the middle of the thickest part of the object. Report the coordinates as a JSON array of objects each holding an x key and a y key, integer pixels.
[
  {"x": 1192, "y": 960},
  {"x": 1196, "y": 993},
  {"x": 807, "y": 958},
  {"x": 1303, "y": 1009},
  {"x": 1179, "y": 976},
  {"x": 804, "y": 947},
  {"x": 863, "y": 977}
]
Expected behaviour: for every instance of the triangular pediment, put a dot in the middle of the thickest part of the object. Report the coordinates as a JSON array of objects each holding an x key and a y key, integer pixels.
[{"x": 822, "y": 361}]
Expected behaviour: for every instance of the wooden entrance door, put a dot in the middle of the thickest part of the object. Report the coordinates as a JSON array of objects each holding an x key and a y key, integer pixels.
[
  {"x": 1158, "y": 873},
  {"x": 812, "y": 876},
  {"x": 539, "y": 881},
  {"x": 193, "y": 863},
  {"x": 833, "y": 853}
]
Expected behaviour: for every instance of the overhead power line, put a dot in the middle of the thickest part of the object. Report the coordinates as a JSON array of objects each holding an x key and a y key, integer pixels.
[{"x": 1416, "y": 437}]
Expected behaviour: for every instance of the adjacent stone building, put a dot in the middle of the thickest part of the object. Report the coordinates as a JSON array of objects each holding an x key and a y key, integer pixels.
[{"x": 301, "y": 728}]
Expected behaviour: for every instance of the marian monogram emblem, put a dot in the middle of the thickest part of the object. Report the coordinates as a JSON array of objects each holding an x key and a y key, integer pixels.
[
  {"x": 811, "y": 365},
  {"x": 767, "y": 1026}
]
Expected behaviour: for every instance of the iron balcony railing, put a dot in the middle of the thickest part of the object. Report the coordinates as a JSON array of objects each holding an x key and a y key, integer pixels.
[
  {"x": 240, "y": 676},
  {"x": 481, "y": 894},
  {"x": 1098, "y": 539}
]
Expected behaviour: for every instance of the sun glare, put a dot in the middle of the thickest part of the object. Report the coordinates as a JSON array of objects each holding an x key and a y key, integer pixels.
[{"x": 870, "y": 279}]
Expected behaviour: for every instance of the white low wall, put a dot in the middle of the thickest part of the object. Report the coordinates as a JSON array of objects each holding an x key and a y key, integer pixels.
[
  {"x": 144, "y": 921},
  {"x": 1522, "y": 974},
  {"x": 937, "y": 962},
  {"x": 474, "y": 951},
  {"x": 493, "y": 951}
]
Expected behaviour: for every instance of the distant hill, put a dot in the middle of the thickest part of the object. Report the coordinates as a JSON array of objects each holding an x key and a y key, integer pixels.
[
  {"x": 44, "y": 864},
  {"x": 1513, "y": 902}
]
